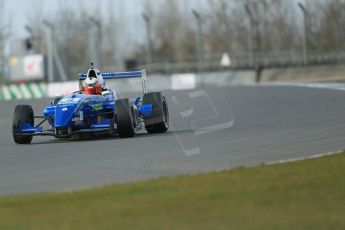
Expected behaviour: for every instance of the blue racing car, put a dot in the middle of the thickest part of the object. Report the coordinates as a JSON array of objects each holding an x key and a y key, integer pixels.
[{"x": 94, "y": 109}]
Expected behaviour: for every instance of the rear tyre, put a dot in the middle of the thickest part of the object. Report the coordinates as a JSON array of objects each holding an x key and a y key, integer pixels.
[
  {"x": 158, "y": 122},
  {"x": 126, "y": 118},
  {"x": 23, "y": 114}
]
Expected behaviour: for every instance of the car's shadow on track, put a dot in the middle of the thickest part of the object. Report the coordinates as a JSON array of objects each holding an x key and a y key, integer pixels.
[{"x": 115, "y": 137}]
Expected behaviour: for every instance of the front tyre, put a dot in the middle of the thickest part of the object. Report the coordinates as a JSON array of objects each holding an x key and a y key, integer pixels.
[
  {"x": 23, "y": 114},
  {"x": 126, "y": 118}
]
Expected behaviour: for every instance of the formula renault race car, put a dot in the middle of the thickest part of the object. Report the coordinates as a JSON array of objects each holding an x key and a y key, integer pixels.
[{"x": 81, "y": 115}]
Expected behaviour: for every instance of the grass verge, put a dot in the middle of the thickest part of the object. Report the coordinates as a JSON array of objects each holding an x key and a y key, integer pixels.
[{"x": 301, "y": 195}]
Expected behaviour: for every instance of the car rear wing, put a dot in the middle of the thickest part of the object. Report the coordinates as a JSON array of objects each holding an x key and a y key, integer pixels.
[{"x": 122, "y": 75}]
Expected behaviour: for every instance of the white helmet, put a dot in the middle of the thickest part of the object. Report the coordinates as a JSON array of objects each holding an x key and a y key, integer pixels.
[
  {"x": 93, "y": 84},
  {"x": 90, "y": 82},
  {"x": 92, "y": 77}
]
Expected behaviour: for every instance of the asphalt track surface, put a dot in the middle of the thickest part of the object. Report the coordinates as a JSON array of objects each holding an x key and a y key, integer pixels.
[{"x": 211, "y": 129}]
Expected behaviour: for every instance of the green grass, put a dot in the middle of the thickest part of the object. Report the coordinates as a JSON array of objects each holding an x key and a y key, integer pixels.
[{"x": 302, "y": 195}]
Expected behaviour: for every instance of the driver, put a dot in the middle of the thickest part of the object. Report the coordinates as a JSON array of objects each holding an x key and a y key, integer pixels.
[{"x": 94, "y": 83}]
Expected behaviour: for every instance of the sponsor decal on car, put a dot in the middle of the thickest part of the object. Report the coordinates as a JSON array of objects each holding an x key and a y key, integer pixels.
[
  {"x": 70, "y": 101},
  {"x": 75, "y": 119},
  {"x": 97, "y": 107}
]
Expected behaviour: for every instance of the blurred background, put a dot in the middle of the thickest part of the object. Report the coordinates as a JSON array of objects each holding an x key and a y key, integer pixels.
[{"x": 51, "y": 41}]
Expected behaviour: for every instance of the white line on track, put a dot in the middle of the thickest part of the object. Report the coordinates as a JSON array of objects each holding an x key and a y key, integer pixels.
[
  {"x": 334, "y": 86},
  {"x": 303, "y": 158}
]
